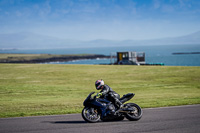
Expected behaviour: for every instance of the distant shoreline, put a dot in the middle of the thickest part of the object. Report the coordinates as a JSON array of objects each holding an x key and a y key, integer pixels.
[
  {"x": 8, "y": 49},
  {"x": 46, "y": 58},
  {"x": 186, "y": 53}
]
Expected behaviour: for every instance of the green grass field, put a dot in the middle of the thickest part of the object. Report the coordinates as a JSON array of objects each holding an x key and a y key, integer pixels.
[{"x": 45, "y": 89}]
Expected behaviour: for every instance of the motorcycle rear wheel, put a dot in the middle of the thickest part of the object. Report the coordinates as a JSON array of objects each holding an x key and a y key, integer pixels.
[
  {"x": 90, "y": 115},
  {"x": 134, "y": 115}
]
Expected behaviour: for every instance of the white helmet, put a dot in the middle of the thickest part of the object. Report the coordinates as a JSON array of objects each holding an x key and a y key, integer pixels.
[{"x": 99, "y": 83}]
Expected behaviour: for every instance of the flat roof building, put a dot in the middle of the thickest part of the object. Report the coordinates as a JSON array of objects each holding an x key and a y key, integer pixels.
[{"x": 130, "y": 58}]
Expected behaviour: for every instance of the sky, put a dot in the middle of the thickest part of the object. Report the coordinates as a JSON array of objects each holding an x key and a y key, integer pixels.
[{"x": 101, "y": 19}]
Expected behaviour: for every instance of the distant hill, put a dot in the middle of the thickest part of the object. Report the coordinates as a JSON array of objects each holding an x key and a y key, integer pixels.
[
  {"x": 31, "y": 40},
  {"x": 193, "y": 38}
]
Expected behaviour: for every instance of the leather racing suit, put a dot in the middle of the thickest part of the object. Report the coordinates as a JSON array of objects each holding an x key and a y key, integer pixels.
[{"x": 111, "y": 95}]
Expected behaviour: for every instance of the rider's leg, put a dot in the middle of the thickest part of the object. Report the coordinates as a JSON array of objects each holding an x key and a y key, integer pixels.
[{"x": 116, "y": 101}]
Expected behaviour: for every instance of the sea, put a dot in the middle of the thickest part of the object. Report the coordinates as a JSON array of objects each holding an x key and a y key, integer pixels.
[{"x": 153, "y": 54}]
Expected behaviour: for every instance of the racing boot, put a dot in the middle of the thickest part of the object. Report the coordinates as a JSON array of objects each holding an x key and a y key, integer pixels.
[{"x": 119, "y": 104}]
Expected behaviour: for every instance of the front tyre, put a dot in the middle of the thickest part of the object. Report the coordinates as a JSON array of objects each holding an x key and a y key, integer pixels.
[
  {"x": 90, "y": 115},
  {"x": 134, "y": 115}
]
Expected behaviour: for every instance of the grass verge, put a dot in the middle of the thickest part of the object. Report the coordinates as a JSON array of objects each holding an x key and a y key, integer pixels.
[{"x": 45, "y": 89}]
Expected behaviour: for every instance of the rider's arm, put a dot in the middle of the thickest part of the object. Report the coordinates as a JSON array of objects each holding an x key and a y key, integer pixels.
[{"x": 105, "y": 90}]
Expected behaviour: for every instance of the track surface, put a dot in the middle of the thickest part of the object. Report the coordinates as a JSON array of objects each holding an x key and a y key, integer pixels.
[{"x": 179, "y": 119}]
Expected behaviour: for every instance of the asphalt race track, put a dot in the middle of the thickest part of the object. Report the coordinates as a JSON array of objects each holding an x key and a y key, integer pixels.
[{"x": 179, "y": 119}]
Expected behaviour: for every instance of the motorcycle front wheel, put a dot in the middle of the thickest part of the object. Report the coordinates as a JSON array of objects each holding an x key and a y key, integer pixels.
[
  {"x": 134, "y": 115},
  {"x": 90, "y": 115}
]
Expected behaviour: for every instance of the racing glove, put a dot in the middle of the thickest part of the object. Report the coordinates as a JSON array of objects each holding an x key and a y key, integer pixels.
[{"x": 99, "y": 94}]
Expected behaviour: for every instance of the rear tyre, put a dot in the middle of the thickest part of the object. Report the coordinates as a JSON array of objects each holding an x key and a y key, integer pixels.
[
  {"x": 90, "y": 115},
  {"x": 134, "y": 115}
]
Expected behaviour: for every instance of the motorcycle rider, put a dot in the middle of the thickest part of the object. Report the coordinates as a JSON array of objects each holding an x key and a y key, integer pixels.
[{"x": 107, "y": 92}]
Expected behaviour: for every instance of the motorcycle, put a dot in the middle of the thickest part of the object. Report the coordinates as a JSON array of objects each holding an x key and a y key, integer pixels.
[{"x": 97, "y": 109}]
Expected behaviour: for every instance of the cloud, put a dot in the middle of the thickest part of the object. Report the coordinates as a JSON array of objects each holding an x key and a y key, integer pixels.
[
  {"x": 156, "y": 4},
  {"x": 18, "y": 13},
  {"x": 104, "y": 19},
  {"x": 168, "y": 8},
  {"x": 182, "y": 3},
  {"x": 45, "y": 9}
]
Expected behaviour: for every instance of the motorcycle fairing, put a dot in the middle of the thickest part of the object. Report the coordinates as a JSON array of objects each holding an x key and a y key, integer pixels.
[{"x": 126, "y": 97}]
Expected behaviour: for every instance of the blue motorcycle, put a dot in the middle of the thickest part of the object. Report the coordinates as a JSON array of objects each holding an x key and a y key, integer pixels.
[{"x": 97, "y": 109}]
